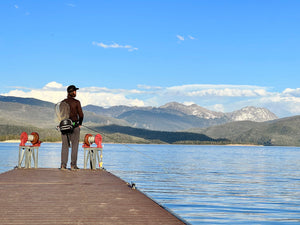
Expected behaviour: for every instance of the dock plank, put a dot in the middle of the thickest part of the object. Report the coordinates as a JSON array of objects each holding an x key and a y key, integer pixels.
[{"x": 50, "y": 196}]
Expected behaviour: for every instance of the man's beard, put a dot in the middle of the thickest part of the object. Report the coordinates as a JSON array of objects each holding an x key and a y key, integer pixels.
[{"x": 73, "y": 94}]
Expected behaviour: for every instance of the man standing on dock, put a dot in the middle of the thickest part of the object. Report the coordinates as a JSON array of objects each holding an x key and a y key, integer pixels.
[{"x": 76, "y": 115}]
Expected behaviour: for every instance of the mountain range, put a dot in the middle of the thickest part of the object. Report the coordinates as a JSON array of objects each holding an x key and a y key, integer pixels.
[
  {"x": 169, "y": 117},
  {"x": 176, "y": 116},
  {"x": 249, "y": 125}
]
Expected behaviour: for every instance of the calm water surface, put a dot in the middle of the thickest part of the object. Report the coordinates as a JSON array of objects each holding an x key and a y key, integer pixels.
[{"x": 201, "y": 184}]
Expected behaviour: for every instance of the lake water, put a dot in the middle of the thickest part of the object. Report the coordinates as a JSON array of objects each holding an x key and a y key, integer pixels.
[{"x": 201, "y": 184}]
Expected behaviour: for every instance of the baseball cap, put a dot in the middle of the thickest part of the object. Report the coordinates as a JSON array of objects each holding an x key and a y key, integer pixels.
[{"x": 72, "y": 88}]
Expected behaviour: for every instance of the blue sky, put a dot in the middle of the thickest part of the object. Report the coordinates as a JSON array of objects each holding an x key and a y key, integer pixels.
[{"x": 222, "y": 55}]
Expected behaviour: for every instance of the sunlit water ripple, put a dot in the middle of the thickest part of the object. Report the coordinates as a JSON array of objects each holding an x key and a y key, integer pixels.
[{"x": 201, "y": 184}]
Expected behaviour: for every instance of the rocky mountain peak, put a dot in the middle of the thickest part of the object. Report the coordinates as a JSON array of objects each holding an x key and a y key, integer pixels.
[
  {"x": 249, "y": 113},
  {"x": 194, "y": 110},
  {"x": 252, "y": 113}
]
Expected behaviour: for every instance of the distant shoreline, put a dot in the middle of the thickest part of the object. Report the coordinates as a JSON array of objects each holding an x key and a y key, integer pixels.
[
  {"x": 243, "y": 145},
  {"x": 10, "y": 141},
  {"x": 18, "y": 141}
]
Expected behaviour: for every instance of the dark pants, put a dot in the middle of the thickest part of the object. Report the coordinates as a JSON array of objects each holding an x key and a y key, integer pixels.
[{"x": 74, "y": 142}]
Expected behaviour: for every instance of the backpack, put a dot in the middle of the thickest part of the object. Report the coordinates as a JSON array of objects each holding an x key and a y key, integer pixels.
[{"x": 66, "y": 126}]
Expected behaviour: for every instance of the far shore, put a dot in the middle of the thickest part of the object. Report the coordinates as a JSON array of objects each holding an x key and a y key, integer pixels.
[
  {"x": 10, "y": 141},
  {"x": 18, "y": 141},
  {"x": 243, "y": 145}
]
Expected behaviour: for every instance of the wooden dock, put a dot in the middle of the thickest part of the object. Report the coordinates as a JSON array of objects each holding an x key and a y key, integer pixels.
[{"x": 52, "y": 196}]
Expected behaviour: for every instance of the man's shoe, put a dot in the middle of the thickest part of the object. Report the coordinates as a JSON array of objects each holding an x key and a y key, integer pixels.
[
  {"x": 63, "y": 168},
  {"x": 74, "y": 168}
]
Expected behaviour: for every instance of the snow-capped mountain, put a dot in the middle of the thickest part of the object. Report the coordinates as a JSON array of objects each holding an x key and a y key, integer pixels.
[
  {"x": 248, "y": 113},
  {"x": 251, "y": 113}
]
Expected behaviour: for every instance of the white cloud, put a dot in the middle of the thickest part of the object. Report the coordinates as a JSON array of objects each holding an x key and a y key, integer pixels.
[
  {"x": 181, "y": 38},
  {"x": 114, "y": 45},
  {"x": 16, "y": 6},
  {"x": 107, "y": 99},
  {"x": 43, "y": 94},
  {"x": 225, "y": 98},
  {"x": 148, "y": 87},
  {"x": 292, "y": 92},
  {"x": 55, "y": 92},
  {"x": 196, "y": 90},
  {"x": 191, "y": 37},
  {"x": 53, "y": 85}
]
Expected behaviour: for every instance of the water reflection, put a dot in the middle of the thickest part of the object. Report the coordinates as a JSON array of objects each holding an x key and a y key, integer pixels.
[{"x": 202, "y": 184}]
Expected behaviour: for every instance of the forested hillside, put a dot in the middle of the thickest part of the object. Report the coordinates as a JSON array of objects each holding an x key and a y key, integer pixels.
[{"x": 281, "y": 132}]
